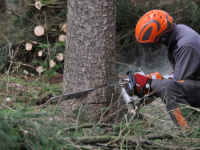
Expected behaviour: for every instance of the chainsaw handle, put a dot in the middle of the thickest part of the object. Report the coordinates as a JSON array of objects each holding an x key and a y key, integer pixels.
[{"x": 132, "y": 85}]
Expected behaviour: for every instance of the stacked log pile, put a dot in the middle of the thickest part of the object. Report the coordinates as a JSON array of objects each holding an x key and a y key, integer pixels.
[{"x": 43, "y": 41}]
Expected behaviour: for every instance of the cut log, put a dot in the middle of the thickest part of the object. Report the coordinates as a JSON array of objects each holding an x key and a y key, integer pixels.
[
  {"x": 28, "y": 73},
  {"x": 29, "y": 46},
  {"x": 52, "y": 63},
  {"x": 39, "y": 69},
  {"x": 25, "y": 72},
  {"x": 62, "y": 37},
  {"x": 38, "y": 5},
  {"x": 60, "y": 57},
  {"x": 63, "y": 28},
  {"x": 39, "y": 31},
  {"x": 40, "y": 53}
]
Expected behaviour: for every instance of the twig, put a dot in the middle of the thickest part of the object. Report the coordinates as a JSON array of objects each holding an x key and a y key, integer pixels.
[
  {"x": 107, "y": 109},
  {"x": 121, "y": 132},
  {"x": 124, "y": 139},
  {"x": 11, "y": 58},
  {"x": 7, "y": 107},
  {"x": 20, "y": 64},
  {"x": 79, "y": 112},
  {"x": 114, "y": 113},
  {"x": 56, "y": 107},
  {"x": 164, "y": 4},
  {"x": 116, "y": 146},
  {"x": 6, "y": 77},
  {"x": 15, "y": 14},
  {"x": 47, "y": 39},
  {"x": 125, "y": 35},
  {"x": 57, "y": 103},
  {"x": 19, "y": 43}
]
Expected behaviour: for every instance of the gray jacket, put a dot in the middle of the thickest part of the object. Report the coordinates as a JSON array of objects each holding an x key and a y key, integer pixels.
[{"x": 184, "y": 55}]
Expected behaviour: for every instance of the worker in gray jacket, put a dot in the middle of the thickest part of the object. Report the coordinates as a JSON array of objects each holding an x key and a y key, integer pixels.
[{"x": 156, "y": 28}]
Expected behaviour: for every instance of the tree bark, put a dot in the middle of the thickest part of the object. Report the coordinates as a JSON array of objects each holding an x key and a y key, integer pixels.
[{"x": 90, "y": 59}]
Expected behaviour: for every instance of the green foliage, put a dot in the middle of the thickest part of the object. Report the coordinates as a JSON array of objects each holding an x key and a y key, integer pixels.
[
  {"x": 47, "y": 1},
  {"x": 4, "y": 50},
  {"x": 23, "y": 130},
  {"x": 44, "y": 46},
  {"x": 52, "y": 72}
]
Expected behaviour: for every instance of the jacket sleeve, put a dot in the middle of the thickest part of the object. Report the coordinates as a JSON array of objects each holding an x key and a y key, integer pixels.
[{"x": 187, "y": 61}]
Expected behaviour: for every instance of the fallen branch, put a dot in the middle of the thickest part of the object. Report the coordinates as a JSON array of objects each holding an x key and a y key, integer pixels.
[
  {"x": 158, "y": 136},
  {"x": 84, "y": 126},
  {"x": 105, "y": 139}
]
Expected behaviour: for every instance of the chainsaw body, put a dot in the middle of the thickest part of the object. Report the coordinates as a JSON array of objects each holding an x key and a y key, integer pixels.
[{"x": 138, "y": 92}]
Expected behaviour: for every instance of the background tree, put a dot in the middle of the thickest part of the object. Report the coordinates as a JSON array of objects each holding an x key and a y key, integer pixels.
[
  {"x": 2, "y": 6},
  {"x": 90, "y": 59}
]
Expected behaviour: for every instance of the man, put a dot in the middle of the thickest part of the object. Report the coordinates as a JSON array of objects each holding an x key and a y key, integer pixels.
[{"x": 156, "y": 28}]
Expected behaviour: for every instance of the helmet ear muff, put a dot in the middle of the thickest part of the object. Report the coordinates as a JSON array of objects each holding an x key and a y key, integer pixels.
[{"x": 164, "y": 39}]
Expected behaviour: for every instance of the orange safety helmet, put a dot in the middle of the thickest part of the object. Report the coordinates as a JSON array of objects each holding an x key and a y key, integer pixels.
[{"x": 151, "y": 26}]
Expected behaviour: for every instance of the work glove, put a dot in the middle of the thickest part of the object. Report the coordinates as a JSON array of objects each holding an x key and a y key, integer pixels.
[
  {"x": 142, "y": 80},
  {"x": 169, "y": 76}
]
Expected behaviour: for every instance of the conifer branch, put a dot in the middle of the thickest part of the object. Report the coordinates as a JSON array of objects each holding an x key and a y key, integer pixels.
[{"x": 183, "y": 8}]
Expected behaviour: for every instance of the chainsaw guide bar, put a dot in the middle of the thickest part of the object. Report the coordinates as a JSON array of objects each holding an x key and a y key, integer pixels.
[{"x": 80, "y": 94}]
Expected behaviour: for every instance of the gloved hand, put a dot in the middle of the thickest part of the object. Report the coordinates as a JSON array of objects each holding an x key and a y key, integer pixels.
[
  {"x": 142, "y": 80},
  {"x": 169, "y": 76}
]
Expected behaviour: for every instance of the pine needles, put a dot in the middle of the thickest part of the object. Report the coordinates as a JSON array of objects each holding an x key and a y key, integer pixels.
[
  {"x": 31, "y": 131},
  {"x": 24, "y": 130}
]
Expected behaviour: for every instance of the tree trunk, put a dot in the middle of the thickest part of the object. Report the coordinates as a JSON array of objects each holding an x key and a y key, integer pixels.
[
  {"x": 2, "y": 6},
  {"x": 90, "y": 59}
]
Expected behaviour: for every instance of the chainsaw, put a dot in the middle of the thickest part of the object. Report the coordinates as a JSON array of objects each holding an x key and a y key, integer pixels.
[
  {"x": 138, "y": 95},
  {"x": 135, "y": 96}
]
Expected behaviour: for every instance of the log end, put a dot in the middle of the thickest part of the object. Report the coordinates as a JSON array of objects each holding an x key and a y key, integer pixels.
[{"x": 39, "y": 31}]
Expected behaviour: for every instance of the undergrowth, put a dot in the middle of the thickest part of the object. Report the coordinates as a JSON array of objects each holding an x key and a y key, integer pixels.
[{"x": 25, "y": 126}]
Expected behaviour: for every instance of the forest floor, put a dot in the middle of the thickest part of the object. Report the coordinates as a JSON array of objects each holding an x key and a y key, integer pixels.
[{"x": 22, "y": 91}]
